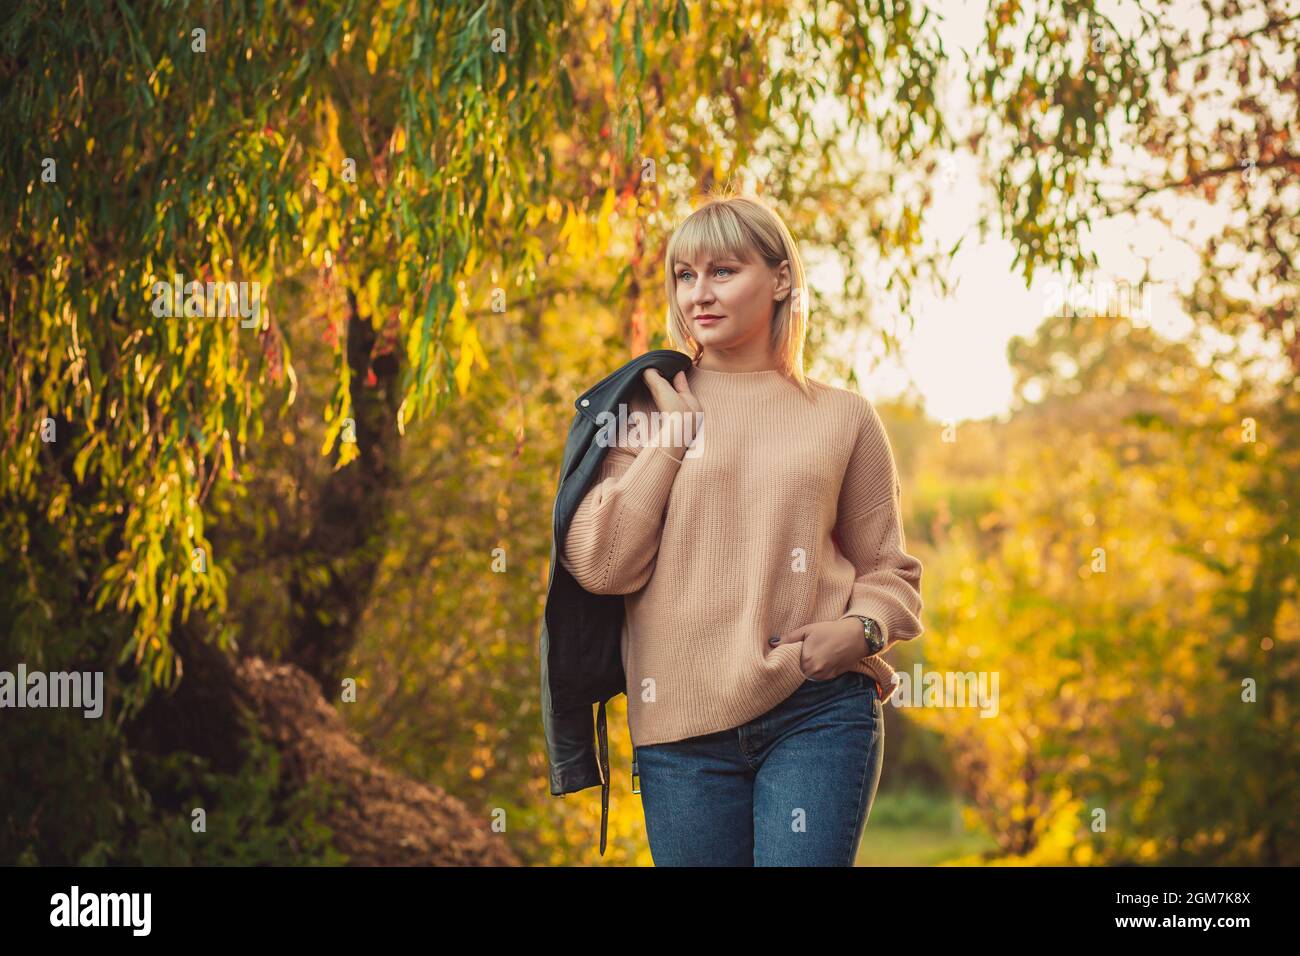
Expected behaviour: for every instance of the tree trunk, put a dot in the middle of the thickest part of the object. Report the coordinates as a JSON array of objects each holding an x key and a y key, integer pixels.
[{"x": 346, "y": 536}]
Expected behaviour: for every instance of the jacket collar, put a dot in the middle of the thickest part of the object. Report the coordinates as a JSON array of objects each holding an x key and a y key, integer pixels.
[{"x": 606, "y": 393}]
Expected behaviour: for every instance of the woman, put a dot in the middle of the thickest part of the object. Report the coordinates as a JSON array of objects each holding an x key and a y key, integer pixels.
[{"x": 763, "y": 563}]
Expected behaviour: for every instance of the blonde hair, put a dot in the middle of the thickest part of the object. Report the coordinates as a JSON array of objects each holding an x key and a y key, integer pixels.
[{"x": 742, "y": 227}]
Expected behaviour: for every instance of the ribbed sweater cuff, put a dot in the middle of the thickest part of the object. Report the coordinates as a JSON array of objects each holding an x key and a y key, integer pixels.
[{"x": 648, "y": 480}]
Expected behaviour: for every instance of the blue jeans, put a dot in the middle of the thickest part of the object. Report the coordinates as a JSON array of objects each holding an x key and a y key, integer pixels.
[{"x": 793, "y": 787}]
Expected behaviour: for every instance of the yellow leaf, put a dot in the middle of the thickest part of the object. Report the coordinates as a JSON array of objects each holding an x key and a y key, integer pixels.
[
  {"x": 347, "y": 453},
  {"x": 372, "y": 61},
  {"x": 399, "y": 139},
  {"x": 332, "y": 128},
  {"x": 479, "y": 355},
  {"x": 603, "y": 219},
  {"x": 469, "y": 350},
  {"x": 457, "y": 319},
  {"x": 570, "y": 224}
]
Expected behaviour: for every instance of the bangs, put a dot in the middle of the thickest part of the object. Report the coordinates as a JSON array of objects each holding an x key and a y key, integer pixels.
[{"x": 712, "y": 233}]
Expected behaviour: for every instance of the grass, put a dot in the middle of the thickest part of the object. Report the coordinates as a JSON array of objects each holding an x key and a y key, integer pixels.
[{"x": 917, "y": 828}]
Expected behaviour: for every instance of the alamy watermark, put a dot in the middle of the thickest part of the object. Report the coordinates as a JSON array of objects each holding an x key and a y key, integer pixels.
[
  {"x": 1100, "y": 297},
  {"x": 75, "y": 908},
  {"x": 639, "y": 429},
  {"x": 212, "y": 299},
  {"x": 82, "y": 690},
  {"x": 948, "y": 689}
]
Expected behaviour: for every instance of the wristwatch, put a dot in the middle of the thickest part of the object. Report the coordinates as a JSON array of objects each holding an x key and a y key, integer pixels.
[{"x": 871, "y": 631}]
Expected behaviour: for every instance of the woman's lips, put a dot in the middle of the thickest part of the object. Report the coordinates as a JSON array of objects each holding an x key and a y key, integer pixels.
[{"x": 708, "y": 319}]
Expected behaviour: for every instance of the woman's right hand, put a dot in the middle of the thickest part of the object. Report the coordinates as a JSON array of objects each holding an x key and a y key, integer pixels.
[{"x": 681, "y": 410}]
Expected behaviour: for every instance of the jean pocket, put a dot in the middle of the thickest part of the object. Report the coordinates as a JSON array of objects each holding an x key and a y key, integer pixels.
[
  {"x": 838, "y": 678},
  {"x": 872, "y": 690}
]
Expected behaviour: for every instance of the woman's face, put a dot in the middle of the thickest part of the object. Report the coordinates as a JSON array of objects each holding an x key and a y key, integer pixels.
[{"x": 742, "y": 292}]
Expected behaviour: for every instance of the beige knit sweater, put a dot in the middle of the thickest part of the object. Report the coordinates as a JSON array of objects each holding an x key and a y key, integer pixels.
[{"x": 733, "y": 544}]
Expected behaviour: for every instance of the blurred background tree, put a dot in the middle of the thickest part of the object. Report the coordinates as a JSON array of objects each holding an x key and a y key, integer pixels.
[{"x": 1126, "y": 576}]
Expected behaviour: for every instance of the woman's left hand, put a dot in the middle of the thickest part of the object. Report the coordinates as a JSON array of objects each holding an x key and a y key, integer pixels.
[{"x": 830, "y": 647}]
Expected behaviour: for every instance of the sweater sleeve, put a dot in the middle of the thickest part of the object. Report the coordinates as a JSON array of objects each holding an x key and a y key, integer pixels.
[
  {"x": 869, "y": 529},
  {"x": 612, "y": 543}
]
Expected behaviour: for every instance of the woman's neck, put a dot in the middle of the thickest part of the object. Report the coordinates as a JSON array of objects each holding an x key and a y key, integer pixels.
[{"x": 711, "y": 361}]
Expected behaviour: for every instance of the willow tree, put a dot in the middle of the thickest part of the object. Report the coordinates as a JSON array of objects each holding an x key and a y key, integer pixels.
[
  {"x": 205, "y": 141},
  {"x": 1098, "y": 111},
  {"x": 248, "y": 144}
]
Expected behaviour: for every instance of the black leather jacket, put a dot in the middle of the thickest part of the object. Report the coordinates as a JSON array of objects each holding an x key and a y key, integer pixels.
[{"x": 581, "y": 659}]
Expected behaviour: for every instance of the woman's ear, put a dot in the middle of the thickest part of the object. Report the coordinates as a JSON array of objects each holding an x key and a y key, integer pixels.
[{"x": 783, "y": 280}]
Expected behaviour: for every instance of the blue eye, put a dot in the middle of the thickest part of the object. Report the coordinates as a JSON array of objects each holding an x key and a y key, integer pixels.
[{"x": 682, "y": 275}]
